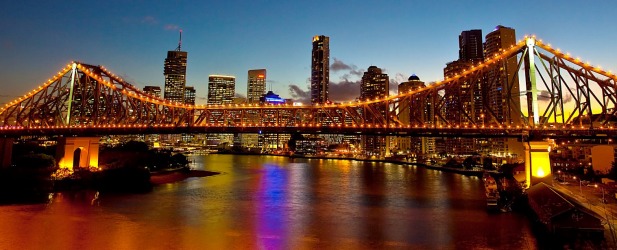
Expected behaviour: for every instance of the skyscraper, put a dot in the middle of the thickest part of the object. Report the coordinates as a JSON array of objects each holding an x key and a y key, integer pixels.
[
  {"x": 221, "y": 89},
  {"x": 320, "y": 69},
  {"x": 256, "y": 85},
  {"x": 503, "y": 89},
  {"x": 503, "y": 81},
  {"x": 470, "y": 46},
  {"x": 418, "y": 110},
  {"x": 375, "y": 84},
  {"x": 464, "y": 102},
  {"x": 175, "y": 73}
]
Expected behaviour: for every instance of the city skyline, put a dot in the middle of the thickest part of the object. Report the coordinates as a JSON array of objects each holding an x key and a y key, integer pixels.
[{"x": 132, "y": 42}]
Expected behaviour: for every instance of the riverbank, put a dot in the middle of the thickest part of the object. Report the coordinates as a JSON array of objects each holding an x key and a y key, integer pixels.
[{"x": 467, "y": 172}]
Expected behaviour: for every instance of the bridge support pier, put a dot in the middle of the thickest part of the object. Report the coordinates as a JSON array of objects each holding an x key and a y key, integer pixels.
[
  {"x": 537, "y": 163},
  {"x": 6, "y": 150},
  {"x": 78, "y": 152}
]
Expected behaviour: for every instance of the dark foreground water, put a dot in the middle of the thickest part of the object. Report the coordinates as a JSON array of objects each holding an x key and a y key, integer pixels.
[{"x": 268, "y": 202}]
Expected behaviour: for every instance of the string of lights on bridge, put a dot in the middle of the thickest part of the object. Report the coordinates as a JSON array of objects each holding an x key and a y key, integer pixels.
[
  {"x": 315, "y": 125},
  {"x": 133, "y": 92}
]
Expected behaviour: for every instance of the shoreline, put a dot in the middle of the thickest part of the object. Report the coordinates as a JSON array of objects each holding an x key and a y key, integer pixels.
[
  {"x": 166, "y": 177},
  {"x": 477, "y": 173}
]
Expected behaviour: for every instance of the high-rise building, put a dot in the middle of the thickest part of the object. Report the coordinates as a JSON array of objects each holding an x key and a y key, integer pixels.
[
  {"x": 470, "y": 46},
  {"x": 189, "y": 95},
  {"x": 256, "y": 85},
  {"x": 375, "y": 84},
  {"x": 503, "y": 89},
  {"x": 415, "y": 111},
  {"x": 320, "y": 69},
  {"x": 153, "y": 90},
  {"x": 464, "y": 103},
  {"x": 221, "y": 89},
  {"x": 175, "y": 75}
]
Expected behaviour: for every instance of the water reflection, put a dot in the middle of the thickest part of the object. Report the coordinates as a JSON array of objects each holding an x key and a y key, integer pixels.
[{"x": 272, "y": 202}]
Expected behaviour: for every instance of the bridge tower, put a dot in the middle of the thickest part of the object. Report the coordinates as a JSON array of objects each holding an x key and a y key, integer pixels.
[
  {"x": 78, "y": 152},
  {"x": 537, "y": 163},
  {"x": 6, "y": 150}
]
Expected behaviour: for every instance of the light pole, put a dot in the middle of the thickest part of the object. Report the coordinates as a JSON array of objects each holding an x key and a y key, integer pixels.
[{"x": 580, "y": 185}]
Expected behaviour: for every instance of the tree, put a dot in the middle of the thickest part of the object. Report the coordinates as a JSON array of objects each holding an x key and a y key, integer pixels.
[
  {"x": 488, "y": 163},
  {"x": 470, "y": 162}
]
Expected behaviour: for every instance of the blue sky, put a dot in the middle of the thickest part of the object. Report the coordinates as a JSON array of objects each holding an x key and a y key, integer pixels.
[{"x": 131, "y": 38}]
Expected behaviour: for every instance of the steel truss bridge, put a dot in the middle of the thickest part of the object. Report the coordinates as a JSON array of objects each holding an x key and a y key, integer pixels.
[{"x": 564, "y": 97}]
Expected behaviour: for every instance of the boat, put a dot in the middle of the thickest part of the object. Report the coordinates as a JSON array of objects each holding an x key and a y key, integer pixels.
[{"x": 491, "y": 191}]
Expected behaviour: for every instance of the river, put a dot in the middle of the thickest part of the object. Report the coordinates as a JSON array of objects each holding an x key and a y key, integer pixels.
[{"x": 272, "y": 202}]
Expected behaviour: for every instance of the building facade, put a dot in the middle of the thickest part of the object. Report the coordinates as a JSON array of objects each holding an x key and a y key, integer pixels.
[
  {"x": 221, "y": 89},
  {"x": 503, "y": 90},
  {"x": 175, "y": 75},
  {"x": 375, "y": 84},
  {"x": 320, "y": 69},
  {"x": 189, "y": 95},
  {"x": 470, "y": 46},
  {"x": 414, "y": 111},
  {"x": 256, "y": 85}
]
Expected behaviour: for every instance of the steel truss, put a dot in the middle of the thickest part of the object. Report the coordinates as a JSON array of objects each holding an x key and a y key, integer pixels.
[{"x": 571, "y": 94}]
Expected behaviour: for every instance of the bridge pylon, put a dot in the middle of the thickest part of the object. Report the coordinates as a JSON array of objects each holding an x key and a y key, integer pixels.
[
  {"x": 6, "y": 150},
  {"x": 537, "y": 162}
]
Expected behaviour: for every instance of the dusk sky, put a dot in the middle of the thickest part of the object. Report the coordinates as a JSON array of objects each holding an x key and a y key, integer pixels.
[{"x": 131, "y": 38}]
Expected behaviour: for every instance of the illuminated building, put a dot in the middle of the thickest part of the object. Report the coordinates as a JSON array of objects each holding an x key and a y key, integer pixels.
[
  {"x": 470, "y": 46},
  {"x": 503, "y": 90},
  {"x": 320, "y": 69},
  {"x": 221, "y": 89},
  {"x": 175, "y": 79},
  {"x": 156, "y": 92},
  {"x": 189, "y": 95},
  {"x": 375, "y": 84},
  {"x": 256, "y": 85},
  {"x": 270, "y": 142},
  {"x": 175, "y": 75},
  {"x": 415, "y": 146},
  {"x": 464, "y": 102}
]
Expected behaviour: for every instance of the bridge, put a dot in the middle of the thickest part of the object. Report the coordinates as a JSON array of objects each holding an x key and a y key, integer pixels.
[{"x": 564, "y": 98}]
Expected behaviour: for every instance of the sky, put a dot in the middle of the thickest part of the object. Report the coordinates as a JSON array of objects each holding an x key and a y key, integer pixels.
[{"x": 131, "y": 38}]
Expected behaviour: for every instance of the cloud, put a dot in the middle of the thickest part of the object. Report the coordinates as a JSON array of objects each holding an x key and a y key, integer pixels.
[
  {"x": 299, "y": 95},
  {"x": 545, "y": 96},
  {"x": 394, "y": 82},
  {"x": 339, "y": 65},
  {"x": 149, "y": 20},
  {"x": 238, "y": 95},
  {"x": 350, "y": 69},
  {"x": 344, "y": 90},
  {"x": 171, "y": 27}
]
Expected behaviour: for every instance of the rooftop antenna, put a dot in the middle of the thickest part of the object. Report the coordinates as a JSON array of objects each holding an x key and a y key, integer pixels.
[{"x": 180, "y": 42}]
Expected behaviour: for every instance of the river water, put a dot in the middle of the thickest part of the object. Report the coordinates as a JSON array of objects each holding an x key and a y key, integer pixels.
[{"x": 271, "y": 202}]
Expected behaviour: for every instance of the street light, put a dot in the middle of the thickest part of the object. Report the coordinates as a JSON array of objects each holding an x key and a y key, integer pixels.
[{"x": 580, "y": 185}]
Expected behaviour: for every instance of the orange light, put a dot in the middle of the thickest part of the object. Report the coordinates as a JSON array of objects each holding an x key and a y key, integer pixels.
[{"x": 260, "y": 76}]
